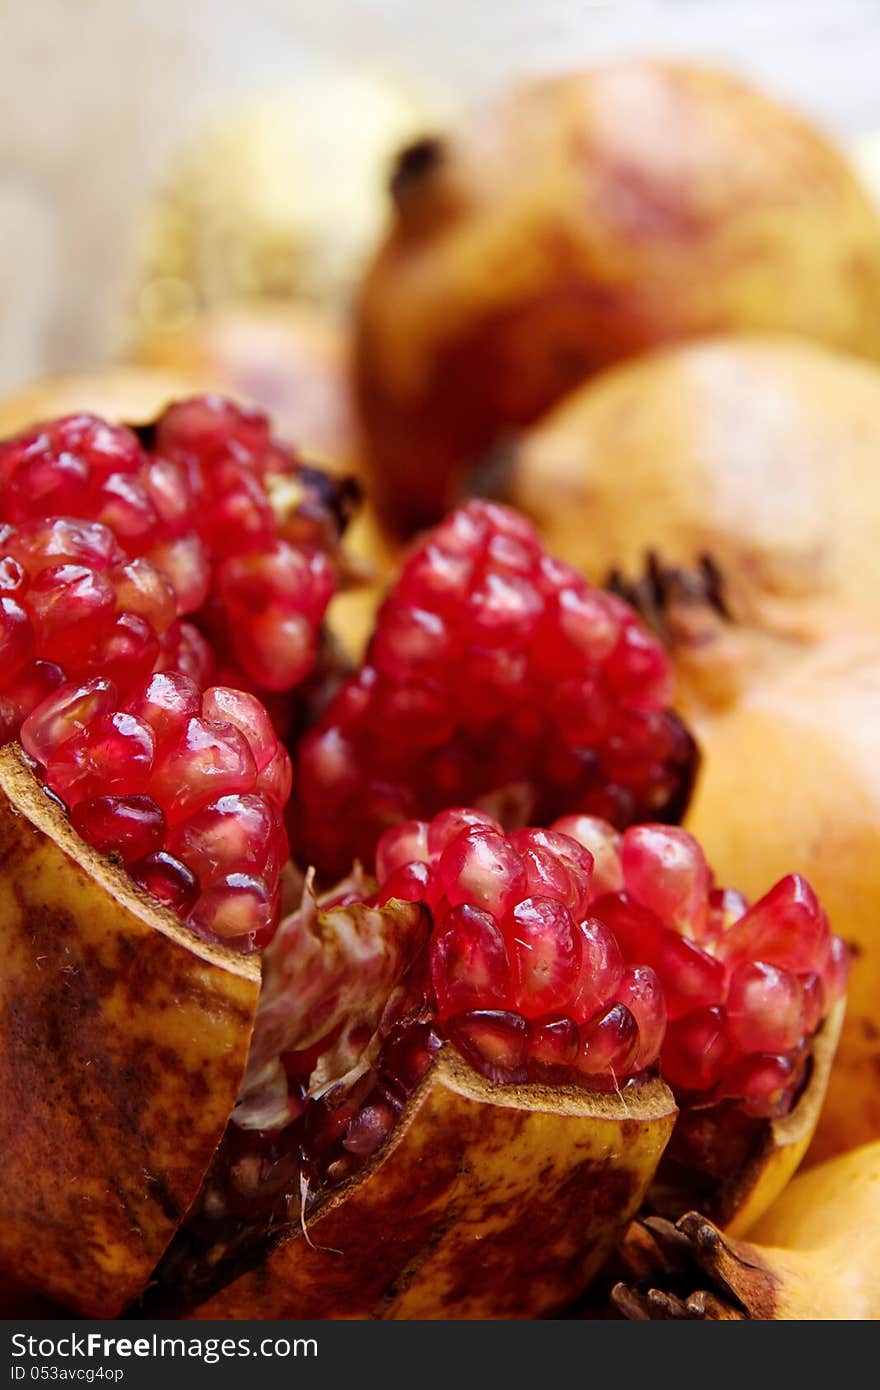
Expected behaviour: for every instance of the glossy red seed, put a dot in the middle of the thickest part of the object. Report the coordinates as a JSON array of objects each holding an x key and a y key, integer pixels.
[
  {"x": 692, "y": 979},
  {"x": 411, "y": 883},
  {"x": 609, "y": 1044},
  {"x": 130, "y": 826},
  {"x": 68, "y": 710},
  {"x": 665, "y": 870},
  {"x": 167, "y": 880},
  {"x": 446, "y": 825},
  {"x": 207, "y": 760},
  {"x": 641, "y": 991},
  {"x": 786, "y": 928},
  {"x": 553, "y": 1045},
  {"x": 601, "y": 970},
  {"x": 695, "y": 1050},
  {"x": 764, "y": 1008},
  {"x": 604, "y": 844},
  {"x": 556, "y": 866},
  {"x": 493, "y": 1041},
  {"x": 237, "y": 908},
  {"x": 234, "y": 833},
  {"x": 113, "y": 755},
  {"x": 764, "y": 1085},
  {"x": 545, "y": 956},
  {"x": 247, "y": 714},
  {"x": 401, "y": 844},
  {"x": 480, "y": 866},
  {"x": 16, "y": 639},
  {"x": 469, "y": 963},
  {"x": 835, "y": 972}
]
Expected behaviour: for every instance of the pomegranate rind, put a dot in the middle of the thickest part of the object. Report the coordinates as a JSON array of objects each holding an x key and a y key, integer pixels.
[
  {"x": 743, "y": 1196},
  {"x": 123, "y": 1041},
  {"x": 488, "y": 1202},
  {"x": 813, "y": 1256}
]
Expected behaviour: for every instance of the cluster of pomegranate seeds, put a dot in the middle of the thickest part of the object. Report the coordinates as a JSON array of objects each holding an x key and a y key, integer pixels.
[
  {"x": 186, "y": 787},
  {"x": 528, "y": 983},
  {"x": 244, "y": 534},
  {"x": 578, "y": 948},
  {"x": 496, "y": 676}
]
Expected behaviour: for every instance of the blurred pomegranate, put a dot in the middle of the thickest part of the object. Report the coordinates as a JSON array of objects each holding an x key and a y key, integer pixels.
[
  {"x": 292, "y": 362},
  {"x": 760, "y": 453},
  {"x": 577, "y": 221}
]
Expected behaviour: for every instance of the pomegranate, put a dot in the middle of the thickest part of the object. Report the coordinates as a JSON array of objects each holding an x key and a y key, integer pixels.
[
  {"x": 812, "y": 1256},
  {"x": 758, "y": 452},
  {"x": 577, "y": 221},
  {"x": 292, "y": 362},
  {"x": 142, "y": 814},
  {"x": 507, "y": 681},
  {"x": 545, "y": 958}
]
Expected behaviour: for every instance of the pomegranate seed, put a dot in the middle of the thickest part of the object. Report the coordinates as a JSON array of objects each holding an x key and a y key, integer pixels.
[
  {"x": 370, "y": 1128},
  {"x": 836, "y": 970},
  {"x": 238, "y": 907},
  {"x": 411, "y": 883},
  {"x": 545, "y": 955},
  {"x": 764, "y": 1085},
  {"x": 786, "y": 927},
  {"x": 68, "y": 711},
  {"x": 444, "y": 828},
  {"x": 166, "y": 703},
  {"x": 207, "y": 760},
  {"x": 248, "y": 715},
  {"x": 469, "y": 963},
  {"x": 16, "y": 639},
  {"x": 493, "y": 1041},
  {"x": 479, "y": 866},
  {"x": 130, "y": 826},
  {"x": 604, "y": 844},
  {"x": 601, "y": 970},
  {"x": 696, "y": 1050},
  {"x": 665, "y": 870},
  {"x": 234, "y": 833},
  {"x": 764, "y": 1008},
  {"x": 641, "y": 992},
  {"x": 553, "y": 1045},
  {"x": 556, "y": 867},
  {"x": 167, "y": 880},
  {"x": 400, "y": 845},
  {"x": 114, "y": 754},
  {"x": 609, "y": 1044}
]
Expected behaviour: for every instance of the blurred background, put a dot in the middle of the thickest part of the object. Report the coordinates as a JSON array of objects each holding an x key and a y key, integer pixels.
[{"x": 111, "y": 104}]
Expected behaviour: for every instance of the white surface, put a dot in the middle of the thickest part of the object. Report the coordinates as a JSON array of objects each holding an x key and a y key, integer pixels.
[{"x": 98, "y": 93}]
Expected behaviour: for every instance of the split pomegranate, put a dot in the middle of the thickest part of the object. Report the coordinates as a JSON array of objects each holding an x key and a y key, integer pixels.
[
  {"x": 565, "y": 956},
  {"x": 497, "y": 676},
  {"x": 111, "y": 538}
]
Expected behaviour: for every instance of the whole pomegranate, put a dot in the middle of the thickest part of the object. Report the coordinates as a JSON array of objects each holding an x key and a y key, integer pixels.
[
  {"x": 759, "y": 453},
  {"x": 292, "y": 362},
  {"x": 577, "y": 221}
]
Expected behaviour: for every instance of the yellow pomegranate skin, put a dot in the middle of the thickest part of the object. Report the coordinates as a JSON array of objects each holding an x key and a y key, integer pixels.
[
  {"x": 758, "y": 452},
  {"x": 488, "y": 1202},
  {"x": 576, "y": 221}
]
